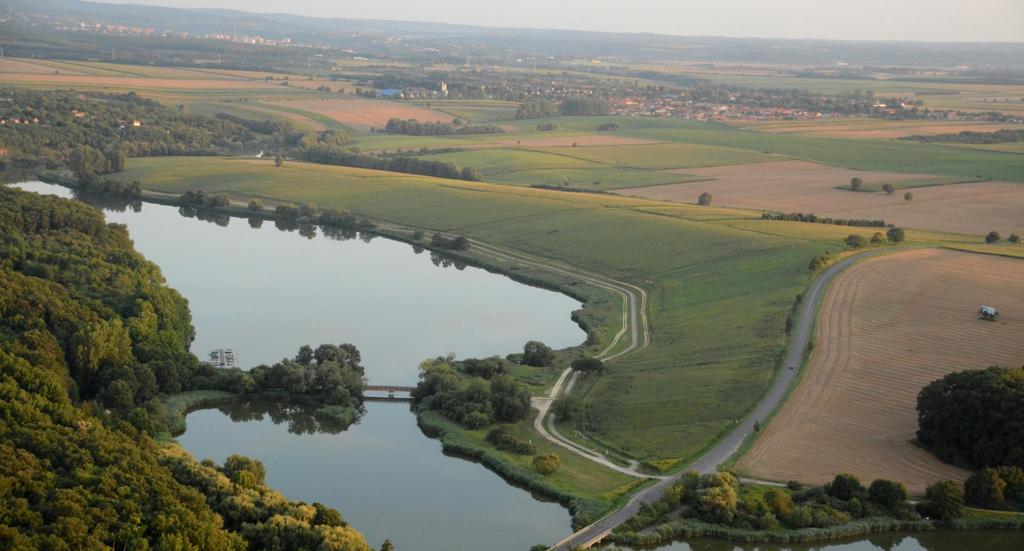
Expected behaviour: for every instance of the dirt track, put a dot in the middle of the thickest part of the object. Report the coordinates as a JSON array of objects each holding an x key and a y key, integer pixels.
[{"x": 889, "y": 326}]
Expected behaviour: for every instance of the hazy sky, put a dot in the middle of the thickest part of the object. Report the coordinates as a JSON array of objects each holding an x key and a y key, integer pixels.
[{"x": 930, "y": 20}]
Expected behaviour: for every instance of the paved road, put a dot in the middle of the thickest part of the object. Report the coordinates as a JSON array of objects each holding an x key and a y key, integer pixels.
[{"x": 732, "y": 442}]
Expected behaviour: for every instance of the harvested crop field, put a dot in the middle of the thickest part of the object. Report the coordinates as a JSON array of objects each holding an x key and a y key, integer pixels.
[
  {"x": 889, "y": 326},
  {"x": 802, "y": 186},
  {"x": 362, "y": 114},
  {"x": 568, "y": 141},
  {"x": 873, "y": 128}
]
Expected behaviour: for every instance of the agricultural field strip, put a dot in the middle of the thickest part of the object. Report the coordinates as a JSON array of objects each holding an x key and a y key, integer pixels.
[{"x": 730, "y": 443}]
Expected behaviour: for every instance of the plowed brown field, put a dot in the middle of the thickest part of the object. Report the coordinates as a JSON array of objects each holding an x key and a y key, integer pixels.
[
  {"x": 802, "y": 186},
  {"x": 363, "y": 114},
  {"x": 873, "y": 128},
  {"x": 889, "y": 326}
]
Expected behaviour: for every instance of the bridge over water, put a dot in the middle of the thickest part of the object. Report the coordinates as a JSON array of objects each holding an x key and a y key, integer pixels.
[{"x": 392, "y": 391}]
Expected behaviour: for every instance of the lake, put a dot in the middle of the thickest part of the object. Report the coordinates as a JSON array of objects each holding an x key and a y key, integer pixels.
[{"x": 265, "y": 292}]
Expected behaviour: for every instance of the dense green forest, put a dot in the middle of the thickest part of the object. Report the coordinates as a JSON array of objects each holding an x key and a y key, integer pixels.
[
  {"x": 973, "y": 418},
  {"x": 47, "y": 127},
  {"x": 89, "y": 335}
]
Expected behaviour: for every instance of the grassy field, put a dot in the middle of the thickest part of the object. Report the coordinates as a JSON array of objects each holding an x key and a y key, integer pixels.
[
  {"x": 878, "y": 155},
  {"x": 720, "y": 281},
  {"x": 476, "y": 111}
]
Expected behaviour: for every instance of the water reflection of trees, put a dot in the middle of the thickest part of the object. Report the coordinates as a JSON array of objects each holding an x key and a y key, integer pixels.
[
  {"x": 442, "y": 261},
  {"x": 109, "y": 202},
  {"x": 205, "y": 215},
  {"x": 300, "y": 418}
]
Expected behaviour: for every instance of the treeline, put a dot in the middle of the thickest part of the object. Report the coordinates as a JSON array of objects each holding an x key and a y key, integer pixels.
[
  {"x": 571, "y": 107},
  {"x": 413, "y": 127},
  {"x": 718, "y": 504},
  {"x": 1004, "y": 135},
  {"x": 716, "y": 499},
  {"x": 972, "y": 418},
  {"x": 334, "y": 155},
  {"x": 815, "y": 219},
  {"x": 265, "y": 126},
  {"x": 90, "y": 335}
]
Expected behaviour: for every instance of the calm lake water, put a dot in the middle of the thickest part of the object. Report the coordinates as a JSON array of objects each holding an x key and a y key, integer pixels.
[{"x": 264, "y": 293}]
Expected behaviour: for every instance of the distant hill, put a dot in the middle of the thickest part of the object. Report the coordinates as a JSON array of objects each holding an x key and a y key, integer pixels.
[{"x": 439, "y": 40}]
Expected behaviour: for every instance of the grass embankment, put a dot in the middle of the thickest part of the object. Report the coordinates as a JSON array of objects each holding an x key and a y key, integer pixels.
[
  {"x": 585, "y": 490},
  {"x": 721, "y": 281}
]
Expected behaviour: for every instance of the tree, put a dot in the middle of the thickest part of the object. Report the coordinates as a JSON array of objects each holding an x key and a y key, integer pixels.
[
  {"x": 510, "y": 400},
  {"x": 1014, "y": 479},
  {"x": 971, "y": 418},
  {"x": 1014, "y": 238},
  {"x": 985, "y": 488},
  {"x": 588, "y": 365},
  {"x": 567, "y": 408},
  {"x": 221, "y": 200},
  {"x": 887, "y": 493},
  {"x": 88, "y": 163},
  {"x": 908, "y": 196},
  {"x": 779, "y": 502},
  {"x": 244, "y": 471},
  {"x": 256, "y": 205},
  {"x": 896, "y": 235},
  {"x": 546, "y": 464},
  {"x": 856, "y": 183},
  {"x": 943, "y": 500},
  {"x": 992, "y": 237},
  {"x": 877, "y": 238},
  {"x": 844, "y": 486},
  {"x": 278, "y": 161},
  {"x": 118, "y": 158},
  {"x": 538, "y": 354},
  {"x": 888, "y": 188},
  {"x": 855, "y": 241},
  {"x": 305, "y": 355},
  {"x": 704, "y": 199}
]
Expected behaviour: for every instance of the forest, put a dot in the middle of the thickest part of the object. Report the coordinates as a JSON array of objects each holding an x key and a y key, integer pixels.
[
  {"x": 89, "y": 336},
  {"x": 45, "y": 128}
]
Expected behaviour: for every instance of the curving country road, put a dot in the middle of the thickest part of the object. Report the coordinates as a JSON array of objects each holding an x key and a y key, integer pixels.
[{"x": 731, "y": 443}]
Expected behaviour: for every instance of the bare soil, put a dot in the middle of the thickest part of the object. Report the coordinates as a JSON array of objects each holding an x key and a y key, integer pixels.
[
  {"x": 888, "y": 326},
  {"x": 803, "y": 186},
  {"x": 364, "y": 114}
]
